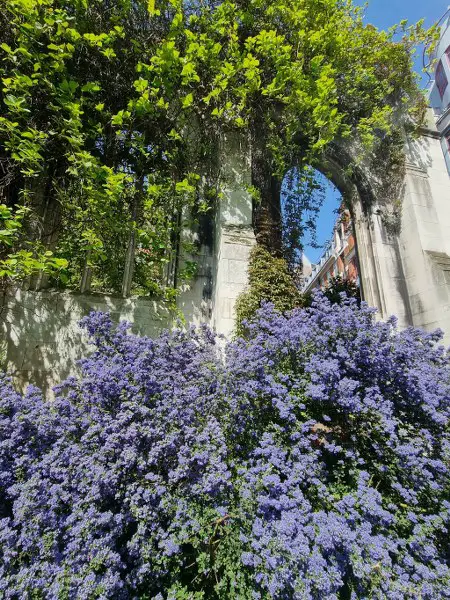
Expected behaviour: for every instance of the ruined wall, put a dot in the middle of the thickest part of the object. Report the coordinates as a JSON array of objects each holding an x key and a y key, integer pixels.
[
  {"x": 407, "y": 272},
  {"x": 41, "y": 339},
  {"x": 424, "y": 239},
  {"x": 234, "y": 236}
]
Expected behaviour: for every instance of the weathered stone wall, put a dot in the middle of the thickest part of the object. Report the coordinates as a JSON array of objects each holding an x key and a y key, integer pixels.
[
  {"x": 408, "y": 271},
  {"x": 424, "y": 239},
  {"x": 405, "y": 273},
  {"x": 41, "y": 339},
  {"x": 234, "y": 235}
]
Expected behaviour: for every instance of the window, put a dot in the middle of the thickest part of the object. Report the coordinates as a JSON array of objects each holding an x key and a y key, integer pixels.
[
  {"x": 441, "y": 79},
  {"x": 447, "y": 54},
  {"x": 447, "y": 140}
]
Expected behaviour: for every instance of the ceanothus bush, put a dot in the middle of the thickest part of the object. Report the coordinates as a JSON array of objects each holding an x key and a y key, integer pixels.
[{"x": 311, "y": 461}]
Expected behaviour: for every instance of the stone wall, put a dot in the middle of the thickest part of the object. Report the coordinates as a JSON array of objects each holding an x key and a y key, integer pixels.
[
  {"x": 406, "y": 273},
  {"x": 41, "y": 339},
  {"x": 425, "y": 234},
  {"x": 234, "y": 235},
  {"x": 412, "y": 266},
  {"x": 405, "y": 269}
]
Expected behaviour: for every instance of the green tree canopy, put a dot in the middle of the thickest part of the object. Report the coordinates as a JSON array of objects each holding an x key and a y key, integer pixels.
[{"x": 111, "y": 112}]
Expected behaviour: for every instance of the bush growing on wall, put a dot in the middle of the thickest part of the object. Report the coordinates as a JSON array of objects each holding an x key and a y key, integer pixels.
[
  {"x": 337, "y": 288},
  {"x": 312, "y": 463},
  {"x": 269, "y": 280}
]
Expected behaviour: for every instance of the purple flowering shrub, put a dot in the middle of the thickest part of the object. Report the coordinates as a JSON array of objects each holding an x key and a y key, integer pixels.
[{"x": 312, "y": 463}]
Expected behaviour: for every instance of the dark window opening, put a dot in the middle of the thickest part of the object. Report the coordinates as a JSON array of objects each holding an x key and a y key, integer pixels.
[{"x": 441, "y": 79}]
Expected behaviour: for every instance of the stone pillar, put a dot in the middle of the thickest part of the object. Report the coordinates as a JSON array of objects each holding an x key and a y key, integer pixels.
[
  {"x": 425, "y": 233},
  {"x": 406, "y": 271},
  {"x": 369, "y": 270},
  {"x": 391, "y": 281},
  {"x": 234, "y": 236}
]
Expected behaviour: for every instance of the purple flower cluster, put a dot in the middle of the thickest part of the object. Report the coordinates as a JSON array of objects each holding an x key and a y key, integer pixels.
[{"x": 313, "y": 462}]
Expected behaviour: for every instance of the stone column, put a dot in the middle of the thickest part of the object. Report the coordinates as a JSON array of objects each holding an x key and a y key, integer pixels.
[
  {"x": 234, "y": 236},
  {"x": 425, "y": 233}
]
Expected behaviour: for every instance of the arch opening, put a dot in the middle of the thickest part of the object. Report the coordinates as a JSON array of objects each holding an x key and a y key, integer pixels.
[{"x": 319, "y": 241}]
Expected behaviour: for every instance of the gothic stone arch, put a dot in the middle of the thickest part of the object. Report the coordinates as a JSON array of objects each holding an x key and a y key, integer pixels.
[
  {"x": 381, "y": 270},
  {"x": 405, "y": 265}
]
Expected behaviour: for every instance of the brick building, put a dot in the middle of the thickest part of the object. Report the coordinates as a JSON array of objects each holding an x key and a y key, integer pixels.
[{"x": 339, "y": 258}]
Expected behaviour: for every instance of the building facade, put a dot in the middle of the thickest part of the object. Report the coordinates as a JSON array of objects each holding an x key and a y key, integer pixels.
[
  {"x": 439, "y": 87},
  {"x": 339, "y": 258}
]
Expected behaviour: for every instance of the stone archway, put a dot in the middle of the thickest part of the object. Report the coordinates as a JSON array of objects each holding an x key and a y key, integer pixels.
[
  {"x": 405, "y": 270},
  {"x": 379, "y": 260}
]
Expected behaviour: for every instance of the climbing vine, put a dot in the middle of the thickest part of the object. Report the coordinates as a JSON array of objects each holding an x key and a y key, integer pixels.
[
  {"x": 18, "y": 258},
  {"x": 84, "y": 143}
]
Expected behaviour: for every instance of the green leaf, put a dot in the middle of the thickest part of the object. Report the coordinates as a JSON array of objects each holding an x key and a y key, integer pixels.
[
  {"x": 141, "y": 85},
  {"x": 92, "y": 86},
  {"x": 118, "y": 118},
  {"x": 6, "y": 48},
  {"x": 188, "y": 100},
  {"x": 109, "y": 53},
  {"x": 68, "y": 86}
]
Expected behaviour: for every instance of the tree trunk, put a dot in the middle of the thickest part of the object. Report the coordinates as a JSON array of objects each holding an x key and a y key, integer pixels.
[
  {"x": 267, "y": 213},
  {"x": 45, "y": 222},
  {"x": 131, "y": 250}
]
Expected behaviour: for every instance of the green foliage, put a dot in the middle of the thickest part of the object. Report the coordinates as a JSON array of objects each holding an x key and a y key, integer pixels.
[
  {"x": 80, "y": 123},
  {"x": 269, "y": 281},
  {"x": 304, "y": 72},
  {"x": 297, "y": 75},
  {"x": 115, "y": 110},
  {"x": 334, "y": 290},
  {"x": 17, "y": 263},
  {"x": 339, "y": 285},
  {"x": 11, "y": 224}
]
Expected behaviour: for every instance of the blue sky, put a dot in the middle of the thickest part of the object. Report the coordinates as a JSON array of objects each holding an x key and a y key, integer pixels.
[{"x": 382, "y": 14}]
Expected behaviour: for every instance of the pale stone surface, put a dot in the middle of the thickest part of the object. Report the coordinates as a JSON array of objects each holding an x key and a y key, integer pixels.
[
  {"x": 43, "y": 339},
  {"x": 424, "y": 238},
  {"x": 405, "y": 267},
  {"x": 405, "y": 272},
  {"x": 234, "y": 234}
]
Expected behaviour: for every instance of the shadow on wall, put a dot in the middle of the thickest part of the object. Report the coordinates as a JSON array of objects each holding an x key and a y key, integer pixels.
[
  {"x": 40, "y": 337},
  {"x": 419, "y": 155},
  {"x": 41, "y": 340}
]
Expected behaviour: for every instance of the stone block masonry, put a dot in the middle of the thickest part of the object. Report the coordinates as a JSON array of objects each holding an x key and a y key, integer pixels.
[
  {"x": 231, "y": 276},
  {"x": 41, "y": 339},
  {"x": 405, "y": 273}
]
